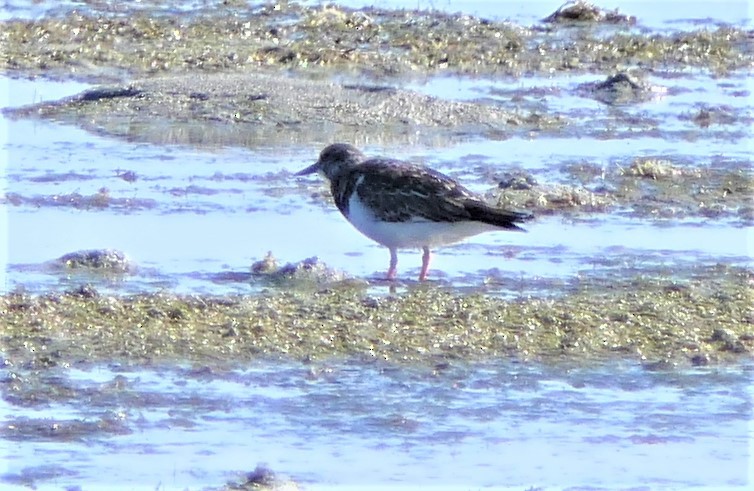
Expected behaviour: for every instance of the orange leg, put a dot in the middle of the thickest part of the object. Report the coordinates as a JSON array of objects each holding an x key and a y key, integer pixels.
[
  {"x": 393, "y": 264},
  {"x": 425, "y": 264}
]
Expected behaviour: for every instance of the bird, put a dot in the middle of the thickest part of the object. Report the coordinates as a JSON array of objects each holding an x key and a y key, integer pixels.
[{"x": 400, "y": 204}]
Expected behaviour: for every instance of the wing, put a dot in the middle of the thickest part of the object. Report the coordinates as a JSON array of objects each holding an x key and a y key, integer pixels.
[{"x": 400, "y": 191}]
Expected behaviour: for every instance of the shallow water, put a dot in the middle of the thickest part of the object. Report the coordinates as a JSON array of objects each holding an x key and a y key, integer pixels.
[
  {"x": 650, "y": 15},
  {"x": 245, "y": 201},
  {"x": 193, "y": 218},
  {"x": 351, "y": 425}
]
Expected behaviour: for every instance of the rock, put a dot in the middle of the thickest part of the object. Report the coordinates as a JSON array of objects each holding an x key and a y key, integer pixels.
[
  {"x": 516, "y": 180},
  {"x": 582, "y": 11},
  {"x": 621, "y": 88},
  {"x": 105, "y": 260}
]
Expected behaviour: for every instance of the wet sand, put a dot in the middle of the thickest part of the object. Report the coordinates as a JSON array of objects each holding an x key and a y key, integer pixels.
[
  {"x": 224, "y": 72},
  {"x": 705, "y": 319},
  {"x": 286, "y": 74},
  {"x": 101, "y": 44}
]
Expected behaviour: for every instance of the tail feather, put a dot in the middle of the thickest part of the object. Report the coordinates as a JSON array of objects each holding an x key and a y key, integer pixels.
[{"x": 498, "y": 217}]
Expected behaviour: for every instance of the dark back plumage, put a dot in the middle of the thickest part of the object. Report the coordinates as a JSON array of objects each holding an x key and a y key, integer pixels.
[{"x": 399, "y": 191}]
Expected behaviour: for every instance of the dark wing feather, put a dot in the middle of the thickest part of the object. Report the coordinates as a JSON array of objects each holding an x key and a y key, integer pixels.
[
  {"x": 399, "y": 191},
  {"x": 481, "y": 212}
]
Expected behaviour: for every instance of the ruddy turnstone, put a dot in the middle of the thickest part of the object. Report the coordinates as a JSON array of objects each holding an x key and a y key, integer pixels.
[{"x": 401, "y": 205}]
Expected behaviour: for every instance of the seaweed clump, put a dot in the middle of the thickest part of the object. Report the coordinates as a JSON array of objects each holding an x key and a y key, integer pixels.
[
  {"x": 582, "y": 11},
  {"x": 646, "y": 318}
]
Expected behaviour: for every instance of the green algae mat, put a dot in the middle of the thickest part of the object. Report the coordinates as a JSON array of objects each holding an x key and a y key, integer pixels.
[{"x": 701, "y": 320}]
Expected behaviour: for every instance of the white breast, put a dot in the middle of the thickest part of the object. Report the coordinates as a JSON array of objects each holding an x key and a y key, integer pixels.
[{"x": 413, "y": 233}]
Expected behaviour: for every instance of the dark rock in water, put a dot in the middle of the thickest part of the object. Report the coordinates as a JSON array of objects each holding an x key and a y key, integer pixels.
[
  {"x": 106, "y": 260},
  {"x": 728, "y": 340},
  {"x": 266, "y": 266},
  {"x": 582, "y": 11},
  {"x": 516, "y": 180},
  {"x": 601, "y": 188},
  {"x": 261, "y": 476},
  {"x": 128, "y": 176},
  {"x": 612, "y": 82},
  {"x": 310, "y": 269},
  {"x": 700, "y": 360},
  {"x": 84, "y": 291},
  {"x": 308, "y": 264},
  {"x": 100, "y": 93},
  {"x": 371, "y": 88},
  {"x": 621, "y": 88},
  {"x": 307, "y": 271},
  {"x": 658, "y": 365}
]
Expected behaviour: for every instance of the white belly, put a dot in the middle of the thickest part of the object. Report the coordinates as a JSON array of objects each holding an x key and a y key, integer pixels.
[{"x": 415, "y": 233}]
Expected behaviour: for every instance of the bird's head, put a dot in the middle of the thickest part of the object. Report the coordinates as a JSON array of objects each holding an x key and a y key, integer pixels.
[{"x": 335, "y": 160}]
